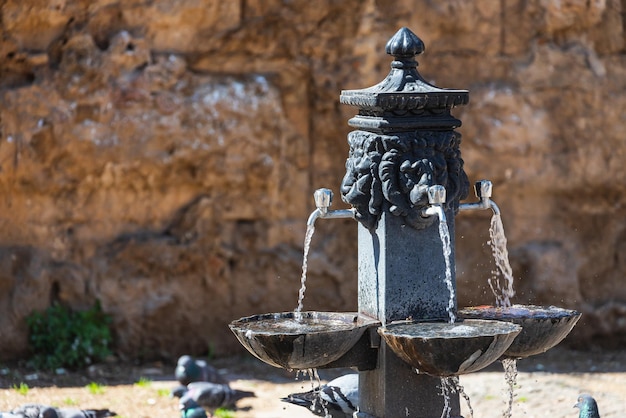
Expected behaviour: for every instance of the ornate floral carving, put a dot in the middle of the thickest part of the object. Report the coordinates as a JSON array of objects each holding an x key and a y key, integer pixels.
[{"x": 395, "y": 171}]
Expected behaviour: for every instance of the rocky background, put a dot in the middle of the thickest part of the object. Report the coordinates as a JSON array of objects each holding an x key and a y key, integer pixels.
[{"x": 160, "y": 156}]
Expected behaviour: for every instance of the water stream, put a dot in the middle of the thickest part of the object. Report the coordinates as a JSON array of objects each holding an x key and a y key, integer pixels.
[
  {"x": 307, "y": 245},
  {"x": 316, "y": 387},
  {"x": 444, "y": 234},
  {"x": 461, "y": 391},
  {"x": 501, "y": 284},
  {"x": 501, "y": 281},
  {"x": 450, "y": 385},
  {"x": 510, "y": 376},
  {"x": 447, "y": 387}
]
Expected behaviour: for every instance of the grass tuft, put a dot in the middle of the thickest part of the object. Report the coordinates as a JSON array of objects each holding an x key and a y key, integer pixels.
[
  {"x": 95, "y": 388},
  {"x": 22, "y": 388},
  {"x": 143, "y": 382}
]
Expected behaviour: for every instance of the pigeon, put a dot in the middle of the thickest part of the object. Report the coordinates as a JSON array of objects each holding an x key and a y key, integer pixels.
[
  {"x": 338, "y": 398},
  {"x": 45, "y": 411},
  {"x": 588, "y": 407},
  {"x": 208, "y": 395},
  {"x": 193, "y": 412},
  {"x": 190, "y": 370},
  {"x": 75, "y": 413}
]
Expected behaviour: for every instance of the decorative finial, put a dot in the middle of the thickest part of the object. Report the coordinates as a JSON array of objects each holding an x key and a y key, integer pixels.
[{"x": 405, "y": 45}]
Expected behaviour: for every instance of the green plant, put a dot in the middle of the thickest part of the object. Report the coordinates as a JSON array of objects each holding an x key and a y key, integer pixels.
[
  {"x": 143, "y": 382},
  {"x": 95, "y": 388},
  {"x": 22, "y": 388},
  {"x": 163, "y": 392},
  {"x": 210, "y": 351},
  {"x": 70, "y": 402},
  {"x": 224, "y": 413},
  {"x": 60, "y": 337}
]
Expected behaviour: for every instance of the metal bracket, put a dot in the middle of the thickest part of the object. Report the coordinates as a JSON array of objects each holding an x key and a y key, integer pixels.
[{"x": 363, "y": 355}]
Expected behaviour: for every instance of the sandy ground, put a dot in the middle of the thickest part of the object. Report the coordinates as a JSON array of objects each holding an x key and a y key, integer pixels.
[{"x": 546, "y": 386}]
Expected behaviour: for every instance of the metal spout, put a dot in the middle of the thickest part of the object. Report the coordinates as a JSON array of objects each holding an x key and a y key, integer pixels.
[
  {"x": 323, "y": 200},
  {"x": 482, "y": 189},
  {"x": 436, "y": 199}
]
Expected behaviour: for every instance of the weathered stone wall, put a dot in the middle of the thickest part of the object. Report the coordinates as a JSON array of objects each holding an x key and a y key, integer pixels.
[{"x": 161, "y": 157}]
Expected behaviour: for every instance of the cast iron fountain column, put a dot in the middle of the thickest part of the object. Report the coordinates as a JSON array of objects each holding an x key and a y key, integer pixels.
[{"x": 404, "y": 143}]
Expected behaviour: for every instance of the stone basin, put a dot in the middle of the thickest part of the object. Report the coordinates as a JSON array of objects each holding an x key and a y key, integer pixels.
[
  {"x": 317, "y": 339},
  {"x": 542, "y": 327},
  {"x": 449, "y": 349}
]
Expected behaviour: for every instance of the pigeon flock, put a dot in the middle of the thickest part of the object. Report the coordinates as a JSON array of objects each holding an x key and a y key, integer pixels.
[{"x": 203, "y": 389}]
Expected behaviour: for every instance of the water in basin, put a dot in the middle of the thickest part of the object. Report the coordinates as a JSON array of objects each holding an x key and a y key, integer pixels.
[
  {"x": 284, "y": 325},
  {"x": 517, "y": 312},
  {"x": 461, "y": 330}
]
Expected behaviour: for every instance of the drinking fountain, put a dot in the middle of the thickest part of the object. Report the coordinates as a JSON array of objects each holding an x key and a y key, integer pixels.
[{"x": 404, "y": 182}]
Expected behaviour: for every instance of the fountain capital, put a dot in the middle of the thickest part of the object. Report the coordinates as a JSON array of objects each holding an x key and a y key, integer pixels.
[
  {"x": 404, "y": 101},
  {"x": 404, "y": 143}
]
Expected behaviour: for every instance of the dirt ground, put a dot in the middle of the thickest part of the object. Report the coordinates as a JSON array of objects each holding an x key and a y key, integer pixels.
[{"x": 547, "y": 386}]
